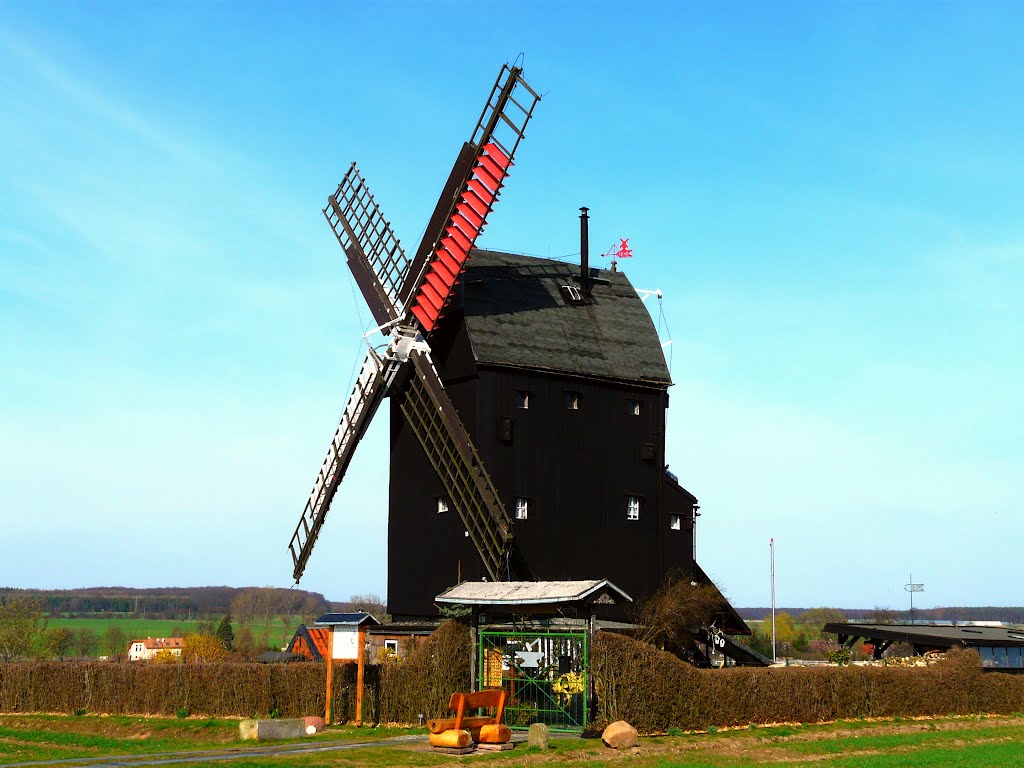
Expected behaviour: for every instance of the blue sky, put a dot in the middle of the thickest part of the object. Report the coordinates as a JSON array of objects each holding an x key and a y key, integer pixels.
[{"x": 828, "y": 194}]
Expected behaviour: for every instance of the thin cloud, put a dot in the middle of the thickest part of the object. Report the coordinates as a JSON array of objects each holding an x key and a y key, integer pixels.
[{"x": 92, "y": 100}]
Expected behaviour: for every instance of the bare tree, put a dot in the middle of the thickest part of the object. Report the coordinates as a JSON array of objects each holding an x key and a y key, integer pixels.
[
  {"x": 84, "y": 642},
  {"x": 115, "y": 641},
  {"x": 57, "y": 642},
  {"x": 671, "y": 615},
  {"x": 883, "y": 615},
  {"x": 22, "y": 628},
  {"x": 814, "y": 619}
]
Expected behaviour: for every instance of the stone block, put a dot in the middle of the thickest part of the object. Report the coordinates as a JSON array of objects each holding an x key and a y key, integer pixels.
[
  {"x": 264, "y": 730},
  {"x": 538, "y": 736}
]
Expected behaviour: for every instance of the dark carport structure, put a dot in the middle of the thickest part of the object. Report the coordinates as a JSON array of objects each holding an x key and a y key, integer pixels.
[{"x": 1000, "y": 648}]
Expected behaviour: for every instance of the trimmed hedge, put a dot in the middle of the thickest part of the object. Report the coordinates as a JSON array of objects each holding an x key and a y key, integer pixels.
[
  {"x": 655, "y": 691},
  {"x": 397, "y": 692},
  {"x": 245, "y": 690},
  {"x": 651, "y": 689}
]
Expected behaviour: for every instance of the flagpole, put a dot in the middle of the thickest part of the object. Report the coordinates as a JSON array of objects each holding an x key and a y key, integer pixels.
[{"x": 771, "y": 547}]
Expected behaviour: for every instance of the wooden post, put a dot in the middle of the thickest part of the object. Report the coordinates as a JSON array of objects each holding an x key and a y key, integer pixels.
[
  {"x": 361, "y": 651},
  {"x": 473, "y": 651},
  {"x": 330, "y": 674}
]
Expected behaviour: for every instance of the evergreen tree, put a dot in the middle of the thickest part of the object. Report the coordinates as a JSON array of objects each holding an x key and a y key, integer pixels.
[{"x": 224, "y": 632}]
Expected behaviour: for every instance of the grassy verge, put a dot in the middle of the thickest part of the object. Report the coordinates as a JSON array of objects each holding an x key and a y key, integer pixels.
[
  {"x": 58, "y": 737},
  {"x": 963, "y": 742}
]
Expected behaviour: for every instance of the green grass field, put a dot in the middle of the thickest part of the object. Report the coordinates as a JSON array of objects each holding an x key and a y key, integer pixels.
[
  {"x": 280, "y": 631},
  {"x": 961, "y": 742}
]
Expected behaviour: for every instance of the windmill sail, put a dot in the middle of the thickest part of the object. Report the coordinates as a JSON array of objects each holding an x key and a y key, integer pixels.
[
  {"x": 411, "y": 295},
  {"x": 447, "y": 444},
  {"x": 371, "y": 386},
  {"x": 375, "y": 256},
  {"x": 450, "y": 238}
]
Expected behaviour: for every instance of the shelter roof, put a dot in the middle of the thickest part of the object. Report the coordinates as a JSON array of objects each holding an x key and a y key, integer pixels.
[
  {"x": 355, "y": 619},
  {"x": 533, "y": 592},
  {"x": 517, "y": 315},
  {"x": 277, "y": 657},
  {"x": 939, "y": 635}
]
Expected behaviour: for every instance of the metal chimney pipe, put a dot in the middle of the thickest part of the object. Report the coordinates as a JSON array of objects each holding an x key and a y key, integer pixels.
[{"x": 584, "y": 249}]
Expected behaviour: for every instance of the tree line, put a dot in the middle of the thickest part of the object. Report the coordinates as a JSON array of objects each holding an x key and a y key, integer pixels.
[
  {"x": 255, "y": 620},
  {"x": 1008, "y": 614},
  {"x": 182, "y": 603}
]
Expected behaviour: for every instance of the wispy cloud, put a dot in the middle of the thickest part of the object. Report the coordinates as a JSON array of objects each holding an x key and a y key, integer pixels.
[{"x": 96, "y": 101}]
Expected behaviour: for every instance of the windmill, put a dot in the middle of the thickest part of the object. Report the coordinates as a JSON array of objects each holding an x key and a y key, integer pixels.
[{"x": 408, "y": 297}]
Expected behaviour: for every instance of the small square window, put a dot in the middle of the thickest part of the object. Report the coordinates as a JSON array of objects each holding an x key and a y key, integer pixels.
[
  {"x": 391, "y": 645},
  {"x": 675, "y": 522},
  {"x": 522, "y": 399},
  {"x": 633, "y": 407},
  {"x": 632, "y": 507},
  {"x": 573, "y": 400},
  {"x": 522, "y": 508},
  {"x": 442, "y": 505}
]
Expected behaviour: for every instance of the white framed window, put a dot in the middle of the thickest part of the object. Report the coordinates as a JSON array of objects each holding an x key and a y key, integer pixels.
[
  {"x": 573, "y": 400},
  {"x": 632, "y": 507},
  {"x": 442, "y": 505},
  {"x": 675, "y": 522},
  {"x": 633, "y": 407},
  {"x": 391, "y": 645},
  {"x": 522, "y": 508},
  {"x": 522, "y": 399}
]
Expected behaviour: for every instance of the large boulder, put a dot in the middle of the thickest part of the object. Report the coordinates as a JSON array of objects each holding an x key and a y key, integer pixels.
[
  {"x": 620, "y": 735},
  {"x": 538, "y": 736},
  {"x": 313, "y": 725}
]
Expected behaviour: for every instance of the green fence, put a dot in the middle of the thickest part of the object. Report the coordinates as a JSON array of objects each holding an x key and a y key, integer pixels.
[{"x": 545, "y": 673}]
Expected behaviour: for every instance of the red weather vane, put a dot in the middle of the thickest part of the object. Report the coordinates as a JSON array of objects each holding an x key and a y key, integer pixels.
[{"x": 621, "y": 251}]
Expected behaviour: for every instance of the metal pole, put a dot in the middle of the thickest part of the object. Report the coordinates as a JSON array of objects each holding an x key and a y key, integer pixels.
[
  {"x": 771, "y": 547},
  {"x": 911, "y": 601},
  {"x": 584, "y": 249},
  {"x": 911, "y": 587}
]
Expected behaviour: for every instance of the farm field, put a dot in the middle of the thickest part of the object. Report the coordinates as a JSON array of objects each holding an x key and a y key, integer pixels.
[
  {"x": 964, "y": 742},
  {"x": 280, "y": 631}
]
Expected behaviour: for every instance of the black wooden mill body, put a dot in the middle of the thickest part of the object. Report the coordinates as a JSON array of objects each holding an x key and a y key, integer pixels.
[{"x": 565, "y": 401}]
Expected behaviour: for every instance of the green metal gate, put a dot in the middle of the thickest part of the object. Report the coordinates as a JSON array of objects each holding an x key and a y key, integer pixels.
[{"x": 545, "y": 674}]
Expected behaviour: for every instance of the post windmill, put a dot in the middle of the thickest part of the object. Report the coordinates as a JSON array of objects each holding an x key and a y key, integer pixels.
[
  {"x": 408, "y": 297},
  {"x": 528, "y": 400}
]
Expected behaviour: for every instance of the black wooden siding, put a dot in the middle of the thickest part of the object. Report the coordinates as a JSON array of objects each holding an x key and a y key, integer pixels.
[{"x": 576, "y": 468}]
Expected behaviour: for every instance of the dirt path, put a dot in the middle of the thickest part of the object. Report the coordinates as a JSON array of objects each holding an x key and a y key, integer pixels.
[{"x": 210, "y": 755}]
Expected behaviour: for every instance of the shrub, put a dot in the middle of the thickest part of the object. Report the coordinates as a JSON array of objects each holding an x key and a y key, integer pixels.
[
  {"x": 202, "y": 647},
  {"x": 655, "y": 691},
  {"x": 424, "y": 681}
]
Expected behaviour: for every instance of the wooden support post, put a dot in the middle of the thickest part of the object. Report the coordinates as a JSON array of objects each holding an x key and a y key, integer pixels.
[
  {"x": 330, "y": 674},
  {"x": 361, "y": 651},
  {"x": 591, "y": 704},
  {"x": 474, "y": 653}
]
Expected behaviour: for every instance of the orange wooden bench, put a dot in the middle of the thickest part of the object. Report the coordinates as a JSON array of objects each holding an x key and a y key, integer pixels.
[{"x": 459, "y": 731}]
